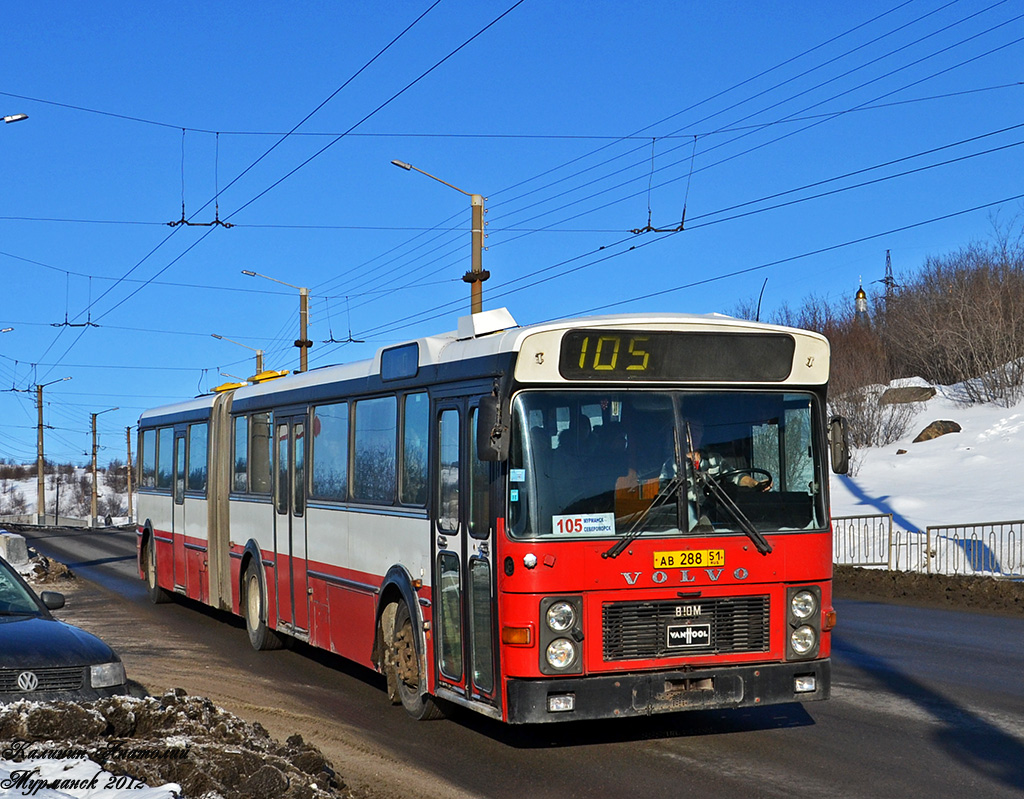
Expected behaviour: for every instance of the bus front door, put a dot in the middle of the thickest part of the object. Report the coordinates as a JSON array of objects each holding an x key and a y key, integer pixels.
[
  {"x": 290, "y": 522},
  {"x": 463, "y": 599}
]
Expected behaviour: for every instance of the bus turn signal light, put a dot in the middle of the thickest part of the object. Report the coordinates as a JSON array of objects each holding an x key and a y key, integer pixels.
[
  {"x": 516, "y": 636},
  {"x": 828, "y": 621}
]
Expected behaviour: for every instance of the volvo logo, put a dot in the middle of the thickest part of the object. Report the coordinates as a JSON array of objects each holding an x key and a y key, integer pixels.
[
  {"x": 685, "y": 576},
  {"x": 27, "y": 681}
]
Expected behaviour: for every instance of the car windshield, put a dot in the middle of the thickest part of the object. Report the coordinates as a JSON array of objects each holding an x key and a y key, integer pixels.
[
  {"x": 15, "y": 600},
  {"x": 605, "y": 464}
]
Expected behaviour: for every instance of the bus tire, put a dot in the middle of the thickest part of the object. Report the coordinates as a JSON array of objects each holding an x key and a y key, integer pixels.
[
  {"x": 404, "y": 669},
  {"x": 261, "y": 636},
  {"x": 157, "y": 595}
]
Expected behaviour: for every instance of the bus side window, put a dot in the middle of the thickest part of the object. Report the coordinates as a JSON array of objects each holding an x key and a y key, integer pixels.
[
  {"x": 479, "y": 488},
  {"x": 448, "y": 471},
  {"x": 148, "y": 459},
  {"x": 240, "y": 482},
  {"x": 375, "y": 441},
  {"x": 164, "y": 457},
  {"x": 260, "y": 476},
  {"x": 197, "y": 454},
  {"x": 330, "y": 451},
  {"x": 415, "y": 431}
]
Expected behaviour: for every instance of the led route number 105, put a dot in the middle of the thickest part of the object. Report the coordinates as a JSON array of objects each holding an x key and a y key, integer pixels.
[{"x": 604, "y": 354}]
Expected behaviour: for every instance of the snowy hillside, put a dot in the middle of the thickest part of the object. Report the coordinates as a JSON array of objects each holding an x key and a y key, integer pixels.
[{"x": 966, "y": 477}]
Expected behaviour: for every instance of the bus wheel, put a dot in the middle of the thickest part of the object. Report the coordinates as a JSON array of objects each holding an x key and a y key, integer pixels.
[
  {"x": 405, "y": 669},
  {"x": 157, "y": 595},
  {"x": 260, "y": 635}
]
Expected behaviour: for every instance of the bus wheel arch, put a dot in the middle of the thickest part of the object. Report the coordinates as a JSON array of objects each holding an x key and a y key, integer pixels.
[
  {"x": 400, "y": 648},
  {"x": 252, "y": 600}
]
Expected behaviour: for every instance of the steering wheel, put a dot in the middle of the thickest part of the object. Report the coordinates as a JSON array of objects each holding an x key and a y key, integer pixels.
[{"x": 755, "y": 473}]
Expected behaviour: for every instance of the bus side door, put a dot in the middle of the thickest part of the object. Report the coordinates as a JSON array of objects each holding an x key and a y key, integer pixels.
[
  {"x": 178, "y": 509},
  {"x": 463, "y": 585},
  {"x": 290, "y": 521}
]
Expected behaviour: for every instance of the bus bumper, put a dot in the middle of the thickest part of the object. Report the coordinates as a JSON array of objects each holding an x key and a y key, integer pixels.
[{"x": 643, "y": 694}]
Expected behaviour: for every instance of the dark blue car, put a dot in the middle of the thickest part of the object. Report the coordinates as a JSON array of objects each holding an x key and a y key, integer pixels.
[{"x": 43, "y": 659}]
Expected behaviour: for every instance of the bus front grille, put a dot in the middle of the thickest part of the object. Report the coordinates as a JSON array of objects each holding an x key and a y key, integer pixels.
[{"x": 677, "y": 628}]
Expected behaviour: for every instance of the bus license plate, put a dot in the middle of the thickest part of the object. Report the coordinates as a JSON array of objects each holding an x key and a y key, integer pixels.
[{"x": 685, "y": 558}]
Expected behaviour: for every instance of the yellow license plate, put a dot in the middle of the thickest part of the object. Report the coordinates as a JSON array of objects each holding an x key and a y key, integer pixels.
[{"x": 689, "y": 557}]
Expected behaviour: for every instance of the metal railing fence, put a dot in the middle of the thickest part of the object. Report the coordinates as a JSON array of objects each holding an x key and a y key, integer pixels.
[{"x": 995, "y": 549}]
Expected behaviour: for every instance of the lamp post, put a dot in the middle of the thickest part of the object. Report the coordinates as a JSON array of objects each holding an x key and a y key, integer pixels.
[
  {"x": 40, "y": 461},
  {"x": 477, "y": 274},
  {"x": 259, "y": 353},
  {"x": 303, "y": 342},
  {"x": 15, "y": 118},
  {"x": 92, "y": 519}
]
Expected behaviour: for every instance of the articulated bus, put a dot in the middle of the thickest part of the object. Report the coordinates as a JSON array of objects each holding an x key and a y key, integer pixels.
[{"x": 601, "y": 517}]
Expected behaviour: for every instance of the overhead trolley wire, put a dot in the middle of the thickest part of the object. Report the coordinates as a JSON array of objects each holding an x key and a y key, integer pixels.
[
  {"x": 831, "y": 116},
  {"x": 682, "y": 131},
  {"x": 276, "y": 183},
  {"x": 384, "y": 330},
  {"x": 238, "y": 177},
  {"x": 697, "y": 104},
  {"x": 892, "y": 52},
  {"x": 764, "y": 144}
]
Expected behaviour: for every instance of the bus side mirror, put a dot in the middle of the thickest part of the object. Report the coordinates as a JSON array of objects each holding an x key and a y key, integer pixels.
[
  {"x": 492, "y": 435},
  {"x": 839, "y": 445}
]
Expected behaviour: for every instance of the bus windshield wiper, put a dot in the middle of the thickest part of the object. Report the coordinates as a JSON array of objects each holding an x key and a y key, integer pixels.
[
  {"x": 635, "y": 530},
  {"x": 705, "y": 480}
]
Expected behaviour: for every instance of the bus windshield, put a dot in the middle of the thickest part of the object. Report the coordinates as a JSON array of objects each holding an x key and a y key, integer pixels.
[{"x": 602, "y": 464}]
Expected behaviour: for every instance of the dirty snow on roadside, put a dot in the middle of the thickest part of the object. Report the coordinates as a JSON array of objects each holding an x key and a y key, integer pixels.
[{"x": 184, "y": 746}]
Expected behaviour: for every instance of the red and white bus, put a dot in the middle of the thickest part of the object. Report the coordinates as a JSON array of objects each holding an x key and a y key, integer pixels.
[{"x": 599, "y": 517}]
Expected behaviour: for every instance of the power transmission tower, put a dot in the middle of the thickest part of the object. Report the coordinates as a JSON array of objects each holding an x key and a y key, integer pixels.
[{"x": 888, "y": 281}]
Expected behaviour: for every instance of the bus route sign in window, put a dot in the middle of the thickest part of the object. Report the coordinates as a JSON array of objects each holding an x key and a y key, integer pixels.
[{"x": 675, "y": 355}]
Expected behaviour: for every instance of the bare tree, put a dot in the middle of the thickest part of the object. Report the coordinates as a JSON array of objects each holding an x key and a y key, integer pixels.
[{"x": 960, "y": 320}]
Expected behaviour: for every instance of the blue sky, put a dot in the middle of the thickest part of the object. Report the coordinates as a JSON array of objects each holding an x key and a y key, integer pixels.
[{"x": 572, "y": 119}]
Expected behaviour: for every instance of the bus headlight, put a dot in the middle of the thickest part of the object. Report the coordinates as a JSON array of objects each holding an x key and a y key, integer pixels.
[
  {"x": 560, "y": 635},
  {"x": 803, "y": 639},
  {"x": 561, "y": 653},
  {"x": 561, "y": 616},
  {"x": 803, "y": 604}
]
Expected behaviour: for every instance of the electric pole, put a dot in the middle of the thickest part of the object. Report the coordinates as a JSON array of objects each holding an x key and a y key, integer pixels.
[
  {"x": 40, "y": 460},
  {"x": 95, "y": 484}
]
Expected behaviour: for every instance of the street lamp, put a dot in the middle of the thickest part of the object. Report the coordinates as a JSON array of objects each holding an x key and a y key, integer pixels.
[
  {"x": 40, "y": 477},
  {"x": 15, "y": 118},
  {"x": 92, "y": 520},
  {"x": 477, "y": 275},
  {"x": 303, "y": 342},
  {"x": 259, "y": 353}
]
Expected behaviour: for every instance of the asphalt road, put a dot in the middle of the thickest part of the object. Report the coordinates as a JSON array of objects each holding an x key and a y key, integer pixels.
[{"x": 925, "y": 703}]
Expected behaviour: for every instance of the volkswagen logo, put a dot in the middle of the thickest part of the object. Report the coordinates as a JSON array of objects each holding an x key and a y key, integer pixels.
[{"x": 27, "y": 681}]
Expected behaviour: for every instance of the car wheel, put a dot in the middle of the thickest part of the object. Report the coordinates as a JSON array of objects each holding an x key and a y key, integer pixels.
[{"x": 260, "y": 635}]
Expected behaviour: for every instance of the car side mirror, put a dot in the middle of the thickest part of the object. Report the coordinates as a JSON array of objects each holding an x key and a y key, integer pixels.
[
  {"x": 52, "y": 600},
  {"x": 492, "y": 436},
  {"x": 839, "y": 445}
]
